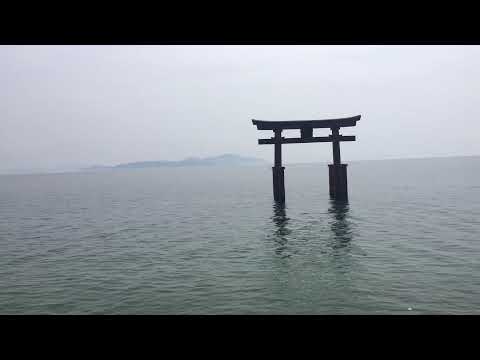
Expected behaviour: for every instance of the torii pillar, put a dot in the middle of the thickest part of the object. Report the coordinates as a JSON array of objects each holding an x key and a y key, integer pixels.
[
  {"x": 278, "y": 169},
  {"x": 337, "y": 172}
]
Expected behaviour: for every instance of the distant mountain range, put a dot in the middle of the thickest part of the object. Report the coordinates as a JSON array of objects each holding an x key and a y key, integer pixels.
[{"x": 225, "y": 159}]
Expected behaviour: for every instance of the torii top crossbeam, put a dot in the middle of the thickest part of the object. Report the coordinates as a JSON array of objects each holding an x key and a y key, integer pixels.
[
  {"x": 306, "y": 129},
  {"x": 299, "y": 124}
]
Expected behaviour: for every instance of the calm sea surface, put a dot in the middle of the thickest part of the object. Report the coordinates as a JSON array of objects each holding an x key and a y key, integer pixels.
[{"x": 209, "y": 240}]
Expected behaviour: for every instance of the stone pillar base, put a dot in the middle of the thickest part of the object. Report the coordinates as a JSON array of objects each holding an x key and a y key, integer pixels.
[
  {"x": 338, "y": 181},
  {"x": 278, "y": 183}
]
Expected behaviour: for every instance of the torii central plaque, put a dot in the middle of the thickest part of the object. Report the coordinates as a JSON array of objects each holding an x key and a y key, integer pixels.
[{"x": 337, "y": 170}]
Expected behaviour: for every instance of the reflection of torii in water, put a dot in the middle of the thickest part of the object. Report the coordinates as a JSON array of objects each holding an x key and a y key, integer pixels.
[
  {"x": 340, "y": 225},
  {"x": 337, "y": 170},
  {"x": 281, "y": 220}
]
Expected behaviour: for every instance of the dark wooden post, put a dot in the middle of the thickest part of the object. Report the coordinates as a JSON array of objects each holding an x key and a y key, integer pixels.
[
  {"x": 336, "y": 146},
  {"x": 278, "y": 169},
  {"x": 337, "y": 172}
]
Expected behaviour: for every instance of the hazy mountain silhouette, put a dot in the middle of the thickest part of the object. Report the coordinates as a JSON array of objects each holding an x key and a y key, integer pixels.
[{"x": 225, "y": 159}]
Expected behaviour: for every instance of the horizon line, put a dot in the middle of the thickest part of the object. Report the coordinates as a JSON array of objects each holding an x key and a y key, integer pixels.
[{"x": 53, "y": 172}]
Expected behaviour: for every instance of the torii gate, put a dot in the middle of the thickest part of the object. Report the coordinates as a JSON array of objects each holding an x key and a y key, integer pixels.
[{"x": 337, "y": 171}]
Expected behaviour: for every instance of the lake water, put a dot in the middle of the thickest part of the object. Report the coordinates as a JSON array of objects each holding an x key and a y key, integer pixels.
[{"x": 209, "y": 240}]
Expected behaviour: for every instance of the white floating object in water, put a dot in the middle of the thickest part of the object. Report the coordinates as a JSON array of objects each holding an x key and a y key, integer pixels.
[{"x": 409, "y": 309}]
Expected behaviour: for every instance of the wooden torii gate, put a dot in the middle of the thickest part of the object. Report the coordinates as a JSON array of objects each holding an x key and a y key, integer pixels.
[{"x": 337, "y": 170}]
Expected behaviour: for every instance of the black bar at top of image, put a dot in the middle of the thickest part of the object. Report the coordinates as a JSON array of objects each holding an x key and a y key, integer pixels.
[{"x": 168, "y": 27}]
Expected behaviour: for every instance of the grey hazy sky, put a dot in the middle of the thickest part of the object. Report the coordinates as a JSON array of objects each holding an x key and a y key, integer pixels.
[{"x": 67, "y": 106}]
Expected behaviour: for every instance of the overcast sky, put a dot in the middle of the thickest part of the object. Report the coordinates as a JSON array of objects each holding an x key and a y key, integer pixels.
[{"x": 68, "y": 106}]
